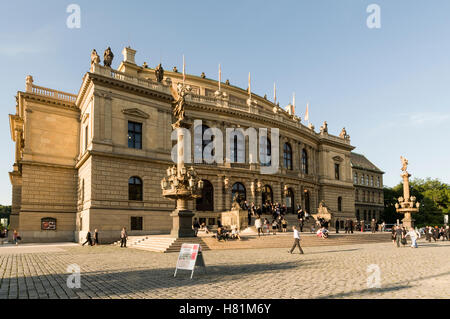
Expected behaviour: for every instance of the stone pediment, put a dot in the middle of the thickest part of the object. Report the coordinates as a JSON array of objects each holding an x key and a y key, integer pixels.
[
  {"x": 136, "y": 113},
  {"x": 338, "y": 159}
]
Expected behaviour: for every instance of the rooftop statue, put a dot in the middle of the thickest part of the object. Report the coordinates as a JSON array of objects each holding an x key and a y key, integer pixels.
[
  {"x": 108, "y": 57},
  {"x": 344, "y": 134},
  {"x": 95, "y": 58},
  {"x": 324, "y": 127},
  {"x": 159, "y": 73}
]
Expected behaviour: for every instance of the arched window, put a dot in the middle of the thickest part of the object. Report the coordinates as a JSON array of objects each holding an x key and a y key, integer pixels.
[
  {"x": 267, "y": 194},
  {"x": 135, "y": 188},
  {"x": 265, "y": 151},
  {"x": 206, "y": 202},
  {"x": 339, "y": 204},
  {"x": 307, "y": 202},
  {"x": 287, "y": 156},
  {"x": 304, "y": 161},
  {"x": 238, "y": 189},
  {"x": 290, "y": 201}
]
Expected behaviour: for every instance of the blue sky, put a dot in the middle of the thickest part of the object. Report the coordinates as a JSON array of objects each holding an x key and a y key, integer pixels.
[{"x": 390, "y": 87}]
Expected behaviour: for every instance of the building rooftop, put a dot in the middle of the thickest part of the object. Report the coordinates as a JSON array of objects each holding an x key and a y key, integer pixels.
[{"x": 361, "y": 162}]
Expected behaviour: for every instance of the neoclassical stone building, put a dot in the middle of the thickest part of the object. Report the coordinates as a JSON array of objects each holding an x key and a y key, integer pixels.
[
  {"x": 95, "y": 159},
  {"x": 368, "y": 182}
]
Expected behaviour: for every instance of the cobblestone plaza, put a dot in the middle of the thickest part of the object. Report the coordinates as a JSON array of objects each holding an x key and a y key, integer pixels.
[{"x": 40, "y": 271}]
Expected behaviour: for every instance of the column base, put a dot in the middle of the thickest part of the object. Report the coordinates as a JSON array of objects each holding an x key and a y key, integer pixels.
[{"x": 182, "y": 223}]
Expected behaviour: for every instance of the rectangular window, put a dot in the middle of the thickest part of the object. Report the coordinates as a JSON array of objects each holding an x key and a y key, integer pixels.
[
  {"x": 136, "y": 223},
  {"x": 86, "y": 137},
  {"x": 134, "y": 135},
  {"x": 336, "y": 170}
]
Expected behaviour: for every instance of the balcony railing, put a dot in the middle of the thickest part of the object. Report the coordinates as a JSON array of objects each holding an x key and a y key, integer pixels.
[{"x": 52, "y": 93}]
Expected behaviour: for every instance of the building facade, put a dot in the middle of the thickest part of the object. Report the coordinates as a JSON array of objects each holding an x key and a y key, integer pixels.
[
  {"x": 368, "y": 182},
  {"x": 95, "y": 159}
]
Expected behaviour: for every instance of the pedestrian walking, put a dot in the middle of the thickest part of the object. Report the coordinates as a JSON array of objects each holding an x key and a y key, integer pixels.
[
  {"x": 337, "y": 226},
  {"x": 413, "y": 234},
  {"x": 96, "y": 236},
  {"x": 196, "y": 226},
  {"x": 300, "y": 224},
  {"x": 284, "y": 224},
  {"x": 16, "y": 237},
  {"x": 398, "y": 235},
  {"x": 274, "y": 227},
  {"x": 373, "y": 225},
  {"x": 393, "y": 233},
  {"x": 88, "y": 239},
  {"x": 296, "y": 241},
  {"x": 435, "y": 233},
  {"x": 123, "y": 238},
  {"x": 258, "y": 225}
]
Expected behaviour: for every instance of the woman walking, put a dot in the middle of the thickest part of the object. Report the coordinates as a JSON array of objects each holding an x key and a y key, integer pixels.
[
  {"x": 16, "y": 237},
  {"x": 123, "y": 238},
  {"x": 394, "y": 228}
]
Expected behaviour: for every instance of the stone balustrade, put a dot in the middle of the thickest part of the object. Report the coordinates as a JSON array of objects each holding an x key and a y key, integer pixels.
[{"x": 51, "y": 93}]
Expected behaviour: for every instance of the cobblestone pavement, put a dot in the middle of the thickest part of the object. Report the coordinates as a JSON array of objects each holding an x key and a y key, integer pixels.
[{"x": 322, "y": 272}]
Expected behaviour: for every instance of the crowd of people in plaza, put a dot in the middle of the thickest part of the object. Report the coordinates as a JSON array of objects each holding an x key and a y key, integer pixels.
[
  {"x": 436, "y": 233},
  {"x": 399, "y": 234}
]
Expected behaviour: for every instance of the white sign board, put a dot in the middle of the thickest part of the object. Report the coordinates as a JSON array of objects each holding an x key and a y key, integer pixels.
[{"x": 190, "y": 256}]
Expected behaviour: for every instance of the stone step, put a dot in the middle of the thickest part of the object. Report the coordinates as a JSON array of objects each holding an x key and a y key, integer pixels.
[
  {"x": 250, "y": 241},
  {"x": 166, "y": 244}
]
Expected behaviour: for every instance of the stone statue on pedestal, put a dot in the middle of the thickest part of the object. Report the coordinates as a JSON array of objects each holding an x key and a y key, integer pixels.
[
  {"x": 159, "y": 73},
  {"x": 108, "y": 57},
  {"x": 404, "y": 163},
  {"x": 178, "y": 105},
  {"x": 95, "y": 58}
]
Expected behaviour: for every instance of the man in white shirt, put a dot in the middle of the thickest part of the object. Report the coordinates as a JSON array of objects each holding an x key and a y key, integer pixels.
[
  {"x": 258, "y": 226},
  {"x": 296, "y": 241}
]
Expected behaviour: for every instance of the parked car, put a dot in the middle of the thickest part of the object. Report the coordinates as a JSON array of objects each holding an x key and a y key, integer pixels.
[{"x": 388, "y": 227}]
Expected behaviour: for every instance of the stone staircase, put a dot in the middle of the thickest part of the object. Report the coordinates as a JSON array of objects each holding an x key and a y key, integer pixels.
[
  {"x": 285, "y": 240},
  {"x": 161, "y": 243},
  {"x": 249, "y": 240}
]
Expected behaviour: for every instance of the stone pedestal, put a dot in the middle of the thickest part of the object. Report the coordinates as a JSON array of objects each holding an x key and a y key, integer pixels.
[
  {"x": 408, "y": 221},
  {"x": 235, "y": 217},
  {"x": 182, "y": 223}
]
